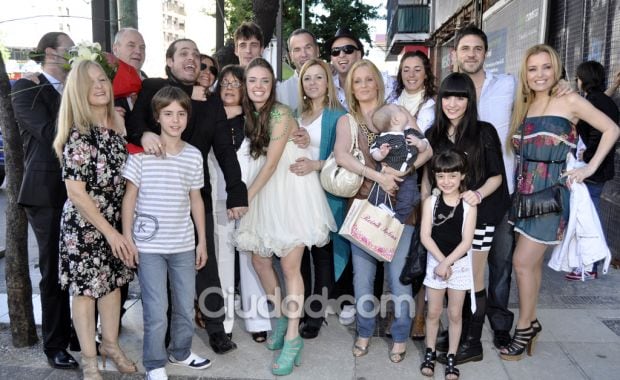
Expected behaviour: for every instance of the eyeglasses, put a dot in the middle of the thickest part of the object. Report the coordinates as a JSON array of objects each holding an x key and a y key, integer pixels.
[
  {"x": 233, "y": 84},
  {"x": 347, "y": 49},
  {"x": 212, "y": 69}
]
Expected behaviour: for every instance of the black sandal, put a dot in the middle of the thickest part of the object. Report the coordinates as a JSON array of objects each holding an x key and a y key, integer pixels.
[
  {"x": 260, "y": 336},
  {"x": 429, "y": 362},
  {"x": 537, "y": 327},
  {"x": 451, "y": 369},
  {"x": 521, "y": 341}
]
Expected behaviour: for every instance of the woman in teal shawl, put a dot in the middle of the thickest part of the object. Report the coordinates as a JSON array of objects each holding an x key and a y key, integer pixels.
[{"x": 319, "y": 112}]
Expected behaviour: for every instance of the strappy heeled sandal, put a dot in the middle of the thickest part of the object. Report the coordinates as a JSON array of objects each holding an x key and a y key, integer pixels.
[
  {"x": 520, "y": 342},
  {"x": 359, "y": 351},
  {"x": 537, "y": 327},
  {"x": 429, "y": 363},
  {"x": 451, "y": 370},
  {"x": 276, "y": 340}
]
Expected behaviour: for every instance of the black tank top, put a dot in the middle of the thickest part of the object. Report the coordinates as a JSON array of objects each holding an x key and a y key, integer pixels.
[{"x": 448, "y": 234}]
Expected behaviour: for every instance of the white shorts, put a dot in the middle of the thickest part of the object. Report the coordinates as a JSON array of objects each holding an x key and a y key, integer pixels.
[{"x": 461, "y": 278}]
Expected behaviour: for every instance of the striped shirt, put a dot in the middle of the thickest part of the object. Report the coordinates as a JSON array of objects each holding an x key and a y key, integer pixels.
[{"x": 162, "y": 222}]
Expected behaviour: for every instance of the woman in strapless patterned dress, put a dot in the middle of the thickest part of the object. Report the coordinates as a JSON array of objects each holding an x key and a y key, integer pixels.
[{"x": 547, "y": 124}]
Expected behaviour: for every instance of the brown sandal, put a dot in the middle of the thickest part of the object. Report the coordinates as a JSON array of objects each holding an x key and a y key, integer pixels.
[
  {"x": 418, "y": 328},
  {"x": 359, "y": 351},
  {"x": 200, "y": 319}
]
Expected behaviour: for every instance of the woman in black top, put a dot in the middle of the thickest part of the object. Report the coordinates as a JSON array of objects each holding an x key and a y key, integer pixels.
[
  {"x": 457, "y": 126},
  {"x": 591, "y": 80}
]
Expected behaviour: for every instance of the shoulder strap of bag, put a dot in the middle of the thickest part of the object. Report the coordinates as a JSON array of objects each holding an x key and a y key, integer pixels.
[
  {"x": 519, "y": 177},
  {"x": 353, "y": 126}
]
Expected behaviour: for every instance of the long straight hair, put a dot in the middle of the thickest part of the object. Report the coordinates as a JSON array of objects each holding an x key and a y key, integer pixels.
[
  {"x": 75, "y": 110},
  {"x": 257, "y": 121},
  {"x": 525, "y": 96},
  {"x": 354, "y": 104},
  {"x": 467, "y": 134}
]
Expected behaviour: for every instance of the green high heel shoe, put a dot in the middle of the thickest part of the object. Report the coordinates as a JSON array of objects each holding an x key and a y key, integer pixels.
[
  {"x": 291, "y": 354},
  {"x": 276, "y": 340}
]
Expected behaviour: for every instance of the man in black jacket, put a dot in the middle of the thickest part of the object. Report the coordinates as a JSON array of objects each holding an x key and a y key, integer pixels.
[
  {"x": 206, "y": 128},
  {"x": 42, "y": 192}
]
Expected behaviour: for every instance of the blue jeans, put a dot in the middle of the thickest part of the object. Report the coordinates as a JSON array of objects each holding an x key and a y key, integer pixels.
[
  {"x": 500, "y": 272},
  {"x": 364, "y": 269},
  {"x": 181, "y": 272}
]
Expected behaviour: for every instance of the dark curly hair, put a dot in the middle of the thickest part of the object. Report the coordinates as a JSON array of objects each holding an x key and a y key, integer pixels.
[{"x": 430, "y": 88}]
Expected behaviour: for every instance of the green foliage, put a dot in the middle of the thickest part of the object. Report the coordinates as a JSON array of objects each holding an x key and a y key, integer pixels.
[
  {"x": 236, "y": 12},
  {"x": 329, "y": 16},
  {"x": 340, "y": 13}
]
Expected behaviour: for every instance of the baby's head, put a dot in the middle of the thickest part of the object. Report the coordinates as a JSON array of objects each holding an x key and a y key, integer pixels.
[{"x": 390, "y": 118}]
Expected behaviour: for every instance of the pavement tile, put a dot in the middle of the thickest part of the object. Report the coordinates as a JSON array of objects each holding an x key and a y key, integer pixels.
[{"x": 596, "y": 360}]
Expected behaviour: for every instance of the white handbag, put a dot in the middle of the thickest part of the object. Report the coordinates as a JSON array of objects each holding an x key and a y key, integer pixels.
[{"x": 338, "y": 180}]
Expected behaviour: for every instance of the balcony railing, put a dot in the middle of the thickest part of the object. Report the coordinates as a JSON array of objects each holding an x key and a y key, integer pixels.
[{"x": 409, "y": 19}]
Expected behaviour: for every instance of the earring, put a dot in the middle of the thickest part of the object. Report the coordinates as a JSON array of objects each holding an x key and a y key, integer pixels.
[{"x": 305, "y": 97}]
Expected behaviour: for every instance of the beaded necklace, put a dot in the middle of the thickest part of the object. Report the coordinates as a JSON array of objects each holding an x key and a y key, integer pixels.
[{"x": 443, "y": 218}]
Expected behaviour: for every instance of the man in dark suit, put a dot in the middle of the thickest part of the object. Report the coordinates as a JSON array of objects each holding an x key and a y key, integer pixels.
[
  {"x": 206, "y": 128},
  {"x": 43, "y": 193}
]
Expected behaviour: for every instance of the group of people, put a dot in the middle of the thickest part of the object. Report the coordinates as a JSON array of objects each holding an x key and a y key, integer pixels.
[{"x": 224, "y": 167}]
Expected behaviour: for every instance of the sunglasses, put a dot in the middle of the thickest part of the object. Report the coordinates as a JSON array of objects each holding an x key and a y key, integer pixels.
[
  {"x": 233, "y": 84},
  {"x": 212, "y": 69},
  {"x": 347, "y": 49}
]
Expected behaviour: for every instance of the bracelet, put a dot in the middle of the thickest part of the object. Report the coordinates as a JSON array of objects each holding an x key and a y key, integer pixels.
[
  {"x": 479, "y": 195},
  {"x": 363, "y": 171}
]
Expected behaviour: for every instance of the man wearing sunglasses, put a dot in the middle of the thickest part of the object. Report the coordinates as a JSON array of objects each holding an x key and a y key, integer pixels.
[
  {"x": 345, "y": 49},
  {"x": 302, "y": 46}
]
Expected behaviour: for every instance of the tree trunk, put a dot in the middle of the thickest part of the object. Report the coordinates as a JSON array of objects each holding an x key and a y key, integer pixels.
[
  {"x": 265, "y": 12},
  {"x": 128, "y": 13},
  {"x": 18, "y": 285}
]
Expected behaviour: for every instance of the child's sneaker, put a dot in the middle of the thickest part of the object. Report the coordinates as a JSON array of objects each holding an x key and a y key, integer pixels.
[
  {"x": 576, "y": 276},
  {"x": 157, "y": 374},
  {"x": 193, "y": 361}
]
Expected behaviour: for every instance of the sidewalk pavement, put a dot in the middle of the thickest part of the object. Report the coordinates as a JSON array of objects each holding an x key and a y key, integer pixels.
[{"x": 580, "y": 340}]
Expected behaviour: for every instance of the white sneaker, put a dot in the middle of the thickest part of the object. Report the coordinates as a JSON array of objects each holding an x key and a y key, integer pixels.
[
  {"x": 157, "y": 374},
  {"x": 193, "y": 361},
  {"x": 347, "y": 315}
]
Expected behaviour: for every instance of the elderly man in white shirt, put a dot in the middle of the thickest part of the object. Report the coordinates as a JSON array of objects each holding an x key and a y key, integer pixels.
[{"x": 302, "y": 46}]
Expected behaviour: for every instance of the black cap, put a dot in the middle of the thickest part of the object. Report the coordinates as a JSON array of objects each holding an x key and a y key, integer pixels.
[{"x": 340, "y": 33}]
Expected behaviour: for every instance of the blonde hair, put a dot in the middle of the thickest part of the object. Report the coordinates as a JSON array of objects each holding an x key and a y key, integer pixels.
[
  {"x": 330, "y": 100},
  {"x": 354, "y": 105},
  {"x": 75, "y": 110},
  {"x": 524, "y": 95}
]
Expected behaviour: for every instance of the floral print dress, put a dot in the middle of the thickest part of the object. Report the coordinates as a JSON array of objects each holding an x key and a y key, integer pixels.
[
  {"x": 87, "y": 265},
  {"x": 545, "y": 139}
]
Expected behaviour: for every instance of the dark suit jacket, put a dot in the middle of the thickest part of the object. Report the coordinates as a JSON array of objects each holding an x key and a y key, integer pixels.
[
  {"x": 36, "y": 110},
  {"x": 207, "y": 127}
]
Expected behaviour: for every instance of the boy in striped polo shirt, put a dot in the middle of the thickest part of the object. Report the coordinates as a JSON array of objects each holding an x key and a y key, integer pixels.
[{"x": 161, "y": 194}]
